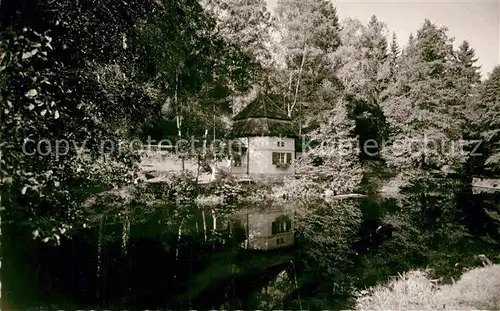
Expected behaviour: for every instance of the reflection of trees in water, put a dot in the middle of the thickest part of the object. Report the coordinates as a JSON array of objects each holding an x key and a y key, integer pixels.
[
  {"x": 359, "y": 243},
  {"x": 424, "y": 228},
  {"x": 328, "y": 230},
  {"x": 326, "y": 233},
  {"x": 272, "y": 295},
  {"x": 427, "y": 229}
]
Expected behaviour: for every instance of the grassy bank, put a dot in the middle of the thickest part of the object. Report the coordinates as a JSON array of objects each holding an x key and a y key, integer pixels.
[{"x": 478, "y": 288}]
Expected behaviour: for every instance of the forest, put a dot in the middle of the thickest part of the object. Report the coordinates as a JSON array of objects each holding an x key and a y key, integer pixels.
[{"x": 92, "y": 71}]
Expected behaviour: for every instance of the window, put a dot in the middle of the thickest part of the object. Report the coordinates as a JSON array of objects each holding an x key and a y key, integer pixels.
[
  {"x": 280, "y": 143},
  {"x": 237, "y": 160},
  {"x": 281, "y": 226},
  {"x": 280, "y": 241},
  {"x": 282, "y": 158}
]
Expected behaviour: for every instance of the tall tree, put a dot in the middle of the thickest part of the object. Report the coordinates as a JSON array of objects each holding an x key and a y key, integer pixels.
[
  {"x": 84, "y": 77},
  {"x": 309, "y": 33},
  {"x": 393, "y": 54},
  {"x": 248, "y": 26},
  {"x": 490, "y": 125},
  {"x": 200, "y": 63},
  {"x": 466, "y": 57},
  {"x": 334, "y": 162},
  {"x": 422, "y": 105},
  {"x": 68, "y": 97},
  {"x": 468, "y": 79},
  {"x": 247, "y": 23},
  {"x": 363, "y": 67}
]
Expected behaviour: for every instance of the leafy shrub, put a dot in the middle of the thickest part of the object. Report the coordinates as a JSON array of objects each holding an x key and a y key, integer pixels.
[
  {"x": 302, "y": 188},
  {"x": 228, "y": 189}
]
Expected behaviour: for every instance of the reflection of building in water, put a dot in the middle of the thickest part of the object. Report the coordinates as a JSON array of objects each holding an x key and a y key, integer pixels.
[{"x": 267, "y": 229}]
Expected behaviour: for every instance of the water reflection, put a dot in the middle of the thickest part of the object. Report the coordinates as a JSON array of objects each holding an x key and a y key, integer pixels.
[
  {"x": 266, "y": 228},
  {"x": 182, "y": 256}
]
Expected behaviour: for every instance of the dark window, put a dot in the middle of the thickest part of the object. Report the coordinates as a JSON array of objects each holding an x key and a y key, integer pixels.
[
  {"x": 281, "y": 226},
  {"x": 237, "y": 160},
  {"x": 282, "y": 158},
  {"x": 276, "y": 157}
]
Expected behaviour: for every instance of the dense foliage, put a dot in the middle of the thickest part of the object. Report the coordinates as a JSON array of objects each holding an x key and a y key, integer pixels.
[{"x": 81, "y": 79}]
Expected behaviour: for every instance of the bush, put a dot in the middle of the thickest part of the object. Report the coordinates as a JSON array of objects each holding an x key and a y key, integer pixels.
[
  {"x": 477, "y": 289},
  {"x": 303, "y": 188}
]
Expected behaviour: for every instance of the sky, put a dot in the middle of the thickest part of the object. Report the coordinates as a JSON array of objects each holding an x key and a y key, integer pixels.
[{"x": 477, "y": 21}]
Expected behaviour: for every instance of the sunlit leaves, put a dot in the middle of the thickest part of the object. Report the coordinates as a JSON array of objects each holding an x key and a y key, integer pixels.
[
  {"x": 308, "y": 35},
  {"x": 420, "y": 104},
  {"x": 490, "y": 118},
  {"x": 31, "y": 93},
  {"x": 55, "y": 108},
  {"x": 334, "y": 162}
]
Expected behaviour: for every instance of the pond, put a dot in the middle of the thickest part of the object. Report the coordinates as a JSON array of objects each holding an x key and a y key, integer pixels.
[{"x": 269, "y": 256}]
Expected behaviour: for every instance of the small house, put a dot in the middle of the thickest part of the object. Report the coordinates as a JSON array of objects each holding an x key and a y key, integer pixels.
[{"x": 263, "y": 140}]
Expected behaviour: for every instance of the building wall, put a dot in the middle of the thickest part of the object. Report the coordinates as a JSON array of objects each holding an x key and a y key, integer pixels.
[
  {"x": 260, "y": 234},
  {"x": 261, "y": 155},
  {"x": 258, "y": 159}
]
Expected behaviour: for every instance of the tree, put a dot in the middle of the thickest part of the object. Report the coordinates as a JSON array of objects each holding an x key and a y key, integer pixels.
[
  {"x": 83, "y": 76},
  {"x": 246, "y": 23},
  {"x": 248, "y": 26},
  {"x": 67, "y": 98},
  {"x": 466, "y": 57},
  {"x": 334, "y": 162},
  {"x": 394, "y": 52},
  {"x": 363, "y": 68},
  {"x": 198, "y": 76},
  {"x": 421, "y": 104},
  {"x": 309, "y": 33},
  {"x": 468, "y": 80},
  {"x": 490, "y": 123}
]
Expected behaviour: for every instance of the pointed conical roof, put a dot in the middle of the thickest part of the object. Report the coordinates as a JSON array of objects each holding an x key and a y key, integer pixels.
[
  {"x": 262, "y": 117},
  {"x": 262, "y": 107}
]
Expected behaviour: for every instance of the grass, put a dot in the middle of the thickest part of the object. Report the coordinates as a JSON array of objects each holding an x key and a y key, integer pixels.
[{"x": 478, "y": 288}]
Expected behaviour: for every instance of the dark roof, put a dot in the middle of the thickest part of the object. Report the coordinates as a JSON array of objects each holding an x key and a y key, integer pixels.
[
  {"x": 262, "y": 107},
  {"x": 252, "y": 127},
  {"x": 262, "y": 117}
]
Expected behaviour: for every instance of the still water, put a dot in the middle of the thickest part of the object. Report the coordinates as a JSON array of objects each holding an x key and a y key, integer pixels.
[{"x": 275, "y": 256}]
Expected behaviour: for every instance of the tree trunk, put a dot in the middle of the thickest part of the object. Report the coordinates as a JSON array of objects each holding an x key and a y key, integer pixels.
[
  {"x": 213, "y": 167},
  {"x": 125, "y": 233},
  {"x": 179, "y": 113},
  {"x": 198, "y": 168},
  {"x": 204, "y": 224},
  {"x": 289, "y": 97},
  {"x": 247, "y": 242},
  {"x": 203, "y": 154},
  {"x": 298, "y": 81},
  {"x": 214, "y": 220},
  {"x": 179, "y": 234},
  {"x": 214, "y": 225}
]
